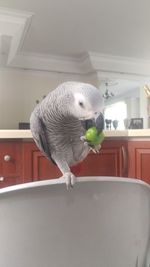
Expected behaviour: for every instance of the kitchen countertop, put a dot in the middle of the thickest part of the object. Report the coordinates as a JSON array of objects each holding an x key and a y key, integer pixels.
[{"x": 26, "y": 134}]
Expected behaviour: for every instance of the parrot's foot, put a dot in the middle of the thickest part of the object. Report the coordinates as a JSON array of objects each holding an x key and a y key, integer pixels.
[
  {"x": 70, "y": 179},
  {"x": 83, "y": 139},
  {"x": 96, "y": 148}
]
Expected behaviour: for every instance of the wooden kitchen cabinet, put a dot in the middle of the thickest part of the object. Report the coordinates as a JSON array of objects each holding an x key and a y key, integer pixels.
[
  {"x": 10, "y": 163},
  {"x": 36, "y": 166},
  {"x": 139, "y": 160},
  {"x": 21, "y": 162},
  {"x": 111, "y": 161}
]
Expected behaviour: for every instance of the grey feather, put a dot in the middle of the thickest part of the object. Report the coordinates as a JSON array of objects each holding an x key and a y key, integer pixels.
[{"x": 40, "y": 134}]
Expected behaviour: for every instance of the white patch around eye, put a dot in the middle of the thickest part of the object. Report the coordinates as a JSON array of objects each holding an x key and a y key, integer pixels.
[{"x": 79, "y": 98}]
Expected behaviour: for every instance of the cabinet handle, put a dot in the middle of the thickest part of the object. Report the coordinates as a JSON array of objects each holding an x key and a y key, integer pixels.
[
  {"x": 125, "y": 161},
  {"x": 7, "y": 158},
  {"x": 1, "y": 178}
]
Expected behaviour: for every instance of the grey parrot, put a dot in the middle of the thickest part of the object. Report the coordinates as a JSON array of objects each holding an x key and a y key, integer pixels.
[{"x": 59, "y": 122}]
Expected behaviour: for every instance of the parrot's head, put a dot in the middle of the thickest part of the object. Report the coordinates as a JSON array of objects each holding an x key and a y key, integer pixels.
[{"x": 88, "y": 101}]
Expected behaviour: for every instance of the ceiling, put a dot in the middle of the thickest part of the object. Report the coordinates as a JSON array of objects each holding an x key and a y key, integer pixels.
[
  {"x": 72, "y": 27},
  {"x": 111, "y": 38}
]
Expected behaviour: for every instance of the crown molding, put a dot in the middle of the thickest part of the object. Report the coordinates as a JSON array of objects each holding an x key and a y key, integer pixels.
[
  {"x": 14, "y": 25},
  {"x": 120, "y": 65},
  {"x": 51, "y": 63},
  {"x": 102, "y": 65}
]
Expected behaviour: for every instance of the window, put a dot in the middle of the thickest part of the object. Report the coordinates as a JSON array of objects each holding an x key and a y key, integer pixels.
[{"x": 117, "y": 111}]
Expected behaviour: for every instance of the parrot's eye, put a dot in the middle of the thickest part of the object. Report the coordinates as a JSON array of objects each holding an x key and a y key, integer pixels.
[{"x": 81, "y": 104}]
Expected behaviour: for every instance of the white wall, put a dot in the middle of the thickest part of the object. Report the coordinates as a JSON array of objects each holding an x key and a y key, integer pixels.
[
  {"x": 143, "y": 107},
  {"x": 136, "y": 104},
  {"x": 20, "y": 89},
  {"x": 133, "y": 107}
]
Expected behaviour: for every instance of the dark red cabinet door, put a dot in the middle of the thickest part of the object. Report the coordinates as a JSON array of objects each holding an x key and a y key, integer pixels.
[
  {"x": 10, "y": 163},
  {"x": 139, "y": 160}
]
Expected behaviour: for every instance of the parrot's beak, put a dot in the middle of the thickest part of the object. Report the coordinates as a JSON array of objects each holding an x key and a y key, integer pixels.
[{"x": 99, "y": 122}]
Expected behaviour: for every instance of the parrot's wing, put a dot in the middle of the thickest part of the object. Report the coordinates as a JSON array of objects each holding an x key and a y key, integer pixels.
[{"x": 40, "y": 137}]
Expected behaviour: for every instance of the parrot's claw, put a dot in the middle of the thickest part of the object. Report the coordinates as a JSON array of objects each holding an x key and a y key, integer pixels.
[
  {"x": 93, "y": 150},
  {"x": 70, "y": 179},
  {"x": 96, "y": 149}
]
